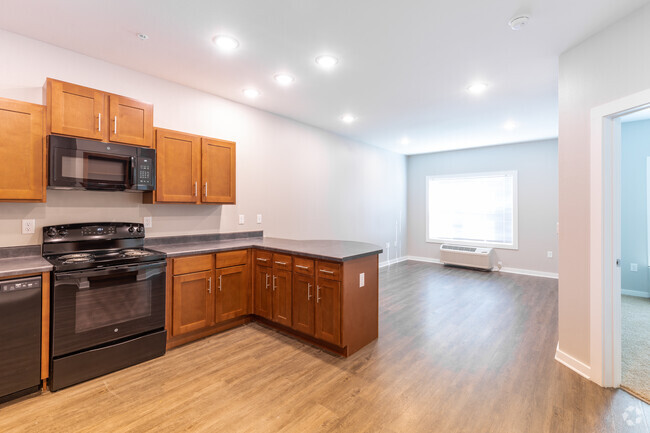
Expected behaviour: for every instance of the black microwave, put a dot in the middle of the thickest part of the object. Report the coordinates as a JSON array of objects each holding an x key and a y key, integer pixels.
[{"x": 76, "y": 163}]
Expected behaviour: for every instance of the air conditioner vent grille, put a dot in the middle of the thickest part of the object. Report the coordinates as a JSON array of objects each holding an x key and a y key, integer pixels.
[{"x": 457, "y": 248}]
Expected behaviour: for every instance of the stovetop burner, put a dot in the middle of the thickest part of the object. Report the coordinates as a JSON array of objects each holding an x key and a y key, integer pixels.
[{"x": 135, "y": 253}]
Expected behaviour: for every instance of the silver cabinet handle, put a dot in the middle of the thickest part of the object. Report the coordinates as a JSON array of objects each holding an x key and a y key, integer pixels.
[
  {"x": 308, "y": 291},
  {"x": 266, "y": 285},
  {"x": 317, "y": 294},
  {"x": 302, "y": 267},
  {"x": 99, "y": 123},
  {"x": 196, "y": 188},
  {"x": 219, "y": 282},
  {"x": 280, "y": 263},
  {"x": 325, "y": 271},
  {"x": 210, "y": 285},
  {"x": 206, "y": 189},
  {"x": 115, "y": 130},
  {"x": 274, "y": 278},
  {"x": 262, "y": 260}
]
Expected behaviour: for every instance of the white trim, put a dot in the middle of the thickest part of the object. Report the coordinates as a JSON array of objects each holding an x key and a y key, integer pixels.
[
  {"x": 569, "y": 361},
  {"x": 476, "y": 243},
  {"x": 604, "y": 237},
  {"x": 635, "y": 293},
  {"x": 528, "y": 272},
  {"x": 392, "y": 261}
]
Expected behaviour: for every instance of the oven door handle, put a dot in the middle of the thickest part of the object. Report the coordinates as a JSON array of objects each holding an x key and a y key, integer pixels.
[{"x": 144, "y": 272}]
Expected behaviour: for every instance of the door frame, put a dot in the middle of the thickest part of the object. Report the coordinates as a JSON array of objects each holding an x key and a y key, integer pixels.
[{"x": 605, "y": 236}]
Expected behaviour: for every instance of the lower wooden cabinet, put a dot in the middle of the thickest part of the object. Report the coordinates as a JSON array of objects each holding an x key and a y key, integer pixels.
[
  {"x": 263, "y": 294},
  {"x": 192, "y": 302},
  {"x": 304, "y": 289},
  {"x": 328, "y": 311},
  {"x": 282, "y": 297},
  {"x": 231, "y": 292}
]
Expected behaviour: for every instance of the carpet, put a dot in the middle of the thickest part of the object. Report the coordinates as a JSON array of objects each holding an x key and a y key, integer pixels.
[{"x": 635, "y": 345}]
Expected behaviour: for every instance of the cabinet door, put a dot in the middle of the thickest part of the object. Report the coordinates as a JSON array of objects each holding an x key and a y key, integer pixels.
[
  {"x": 303, "y": 303},
  {"x": 22, "y": 176},
  {"x": 231, "y": 292},
  {"x": 218, "y": 171},
  {"x": 178, "y": 162},
  {"x": 76, "y": 110},
  {"x": 192, "y": 302},
  {"x": 263, "y": 294},
  {"x": 328, "y": 311},
  {"x": 282, "y": 297},
  {"x": 131, "y": 121}
]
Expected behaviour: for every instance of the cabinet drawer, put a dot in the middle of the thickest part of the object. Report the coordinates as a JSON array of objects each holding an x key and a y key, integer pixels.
[
  {"x": 263, "y": 258},
  {"x": 282, "y": 261},
  {"x": 303, "y": 266},
  {"x": 232, "y": 258},
  {"x": 185, "y": 265},
  {"x": 329, "y": 270}
]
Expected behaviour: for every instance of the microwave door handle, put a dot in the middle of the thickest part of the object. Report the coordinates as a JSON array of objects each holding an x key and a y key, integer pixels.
[
  {"x": 103, "y": 186},
  {"x": 134, "y": 167}
]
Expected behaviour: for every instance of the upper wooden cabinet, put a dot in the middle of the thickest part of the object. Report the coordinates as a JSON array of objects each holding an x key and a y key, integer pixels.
[
  {"x": 89, "y": 113},
  {"x": 217, "y": 171},
  {"x": 22, "y": 151},
  {"x": 178, "y": 166},
  {"x": 193, "y": 169}
]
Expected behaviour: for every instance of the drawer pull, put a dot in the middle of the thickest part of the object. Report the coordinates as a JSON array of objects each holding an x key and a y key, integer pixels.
[
  {"x": 325, "y": 271},
  {"x": 302, "y": 267},
  {"x": 262, "y": 260},
  {"x": 280, "y": 263}
]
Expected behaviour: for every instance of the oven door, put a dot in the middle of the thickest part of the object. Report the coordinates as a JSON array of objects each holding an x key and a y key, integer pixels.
[{"x": 97, "y": 306}]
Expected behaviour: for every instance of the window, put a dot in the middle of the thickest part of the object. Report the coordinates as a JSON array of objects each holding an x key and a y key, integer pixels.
[{"x": 473, "y": 209}]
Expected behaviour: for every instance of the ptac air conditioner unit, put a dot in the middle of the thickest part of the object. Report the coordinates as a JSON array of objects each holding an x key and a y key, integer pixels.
[{"x": 469, "y": 257}]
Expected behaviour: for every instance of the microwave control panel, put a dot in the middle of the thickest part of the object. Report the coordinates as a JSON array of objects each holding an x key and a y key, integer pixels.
[{"x": 146, "y": 171}]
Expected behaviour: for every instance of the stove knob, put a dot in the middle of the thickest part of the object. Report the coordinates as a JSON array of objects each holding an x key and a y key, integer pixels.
[
  {"x": 63, "y": 232},
  {"x": 131, "y": 229},
  {"x": 51, "y": 232},
  {"x": 140, "y": 229}
]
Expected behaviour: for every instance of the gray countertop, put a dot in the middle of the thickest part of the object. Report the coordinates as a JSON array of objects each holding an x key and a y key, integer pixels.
[
  {"x": 23, "y": 265},
  {"x": 339, "y": 251}
]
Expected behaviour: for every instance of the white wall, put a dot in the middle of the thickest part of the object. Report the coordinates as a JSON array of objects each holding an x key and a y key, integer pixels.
[
  {"x": 536, "y": 164},
  {"x": 307, "y": 183},
  {"x": 609, "y": 65},
  {"x": 635, "y": 150}
]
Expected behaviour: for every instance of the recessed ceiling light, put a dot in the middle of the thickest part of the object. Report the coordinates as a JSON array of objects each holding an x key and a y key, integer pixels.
[
  {"x": 225, "y": 42},
  {"x": 518, "y": 22},
  {"x": 477, "y": 88},
  {"x": 509, "y": 125},
  {"x": 142, "y": 36},
  {"x": 327, "y": 61},
  {"x": 251, "y": 93},
  {"x": 348, "y": 118},
  {"x": 283, "y": 79},
  {"x": 404, "y": 141}
]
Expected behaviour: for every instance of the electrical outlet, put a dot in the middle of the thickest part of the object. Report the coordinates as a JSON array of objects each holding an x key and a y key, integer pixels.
[
  {"x": 549, "y": 254},
  {"x": 29, "y": 226},
  {"x": 259, "y": 218},
  {"x": 147, "y": 222},
  {"x": 634, "y": 267},
  {"x": 387, "y": 245},
  {"x": 242, "y": 219},
  {"x": 362, "y": 279}
]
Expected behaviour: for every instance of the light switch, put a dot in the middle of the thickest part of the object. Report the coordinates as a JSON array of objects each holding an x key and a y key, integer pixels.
[
  {"x": 634, "y": 267},
  {"x": 259, "y": 218},
  {"x": 549, "y": 254}
]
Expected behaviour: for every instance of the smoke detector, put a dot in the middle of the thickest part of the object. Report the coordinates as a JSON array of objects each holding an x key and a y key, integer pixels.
[{"x": 518, "y": 22}]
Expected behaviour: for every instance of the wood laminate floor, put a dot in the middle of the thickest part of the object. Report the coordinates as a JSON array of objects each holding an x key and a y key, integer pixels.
[{"x": 459, "y": 351}]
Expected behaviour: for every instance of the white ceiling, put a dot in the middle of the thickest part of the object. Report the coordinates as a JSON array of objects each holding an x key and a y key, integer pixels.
[{"x": 404, "y": 65}]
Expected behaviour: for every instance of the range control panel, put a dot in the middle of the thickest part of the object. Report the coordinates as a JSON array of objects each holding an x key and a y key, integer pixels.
[
  {"x": 97, "y": 230},
  {"x": 20, "y": 284}
]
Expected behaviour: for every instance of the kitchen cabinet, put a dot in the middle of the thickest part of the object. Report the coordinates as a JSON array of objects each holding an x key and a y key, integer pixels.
[
  {"x": 84, "y": 112},
  {"x": 327, "y": 322},
  {"x": 262, "y": 285},
  {"x": 22, "y": 152},
  {"x": 273, "y": 287},
  {"x": 207, "y": 291},
  {"x": 193, "y": 169},
  {"x": 217, "y": 171},
  {"x": 303, "y": 303}
]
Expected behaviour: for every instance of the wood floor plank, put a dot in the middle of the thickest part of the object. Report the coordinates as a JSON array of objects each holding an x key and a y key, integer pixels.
[{"x": 459, "y": 351}]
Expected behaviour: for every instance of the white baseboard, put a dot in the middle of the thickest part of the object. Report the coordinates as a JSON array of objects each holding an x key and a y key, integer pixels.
[
  {"x": 569, "y": 361},
  {"x": 635, "y": 293},
  {"x": 392, "y": 261},
  {"x": 506, "y": 270}
]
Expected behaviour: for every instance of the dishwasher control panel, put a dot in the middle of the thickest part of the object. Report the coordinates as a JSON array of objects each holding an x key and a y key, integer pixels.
[{"x": 20, "y": 284}]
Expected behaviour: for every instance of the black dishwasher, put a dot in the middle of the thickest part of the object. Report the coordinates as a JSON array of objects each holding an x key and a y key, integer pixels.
[{"x": 20, "y": 337}]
